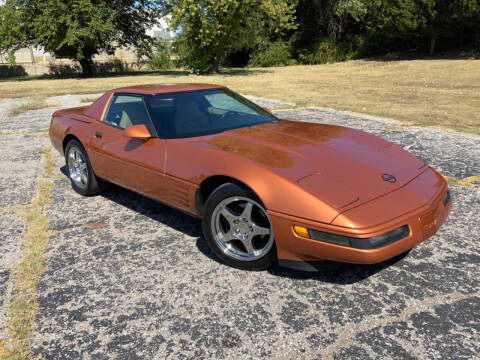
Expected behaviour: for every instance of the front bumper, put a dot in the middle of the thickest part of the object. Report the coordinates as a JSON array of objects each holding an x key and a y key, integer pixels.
[{"x": 422, "y": 223}]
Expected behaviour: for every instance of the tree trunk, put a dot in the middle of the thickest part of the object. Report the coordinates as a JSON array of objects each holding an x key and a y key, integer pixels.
[
  {"x": 219, "y": 54},
  {"x": 433, "y": 40},
  {"x": 87, "y": 66},
  {"x": 215, "y": 66}
]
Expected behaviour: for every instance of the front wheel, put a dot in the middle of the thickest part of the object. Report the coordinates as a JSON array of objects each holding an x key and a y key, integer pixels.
[{"x": 237, "y": 228}]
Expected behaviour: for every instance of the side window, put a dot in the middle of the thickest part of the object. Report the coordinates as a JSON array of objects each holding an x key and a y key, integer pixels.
[
  {"x": 125, "y": 111},
  {"x": 162, "y": 109}
]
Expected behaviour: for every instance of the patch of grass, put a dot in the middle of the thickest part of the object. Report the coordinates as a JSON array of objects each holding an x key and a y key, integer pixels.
[
  {"x": 24, "y": 305},
  {"x": 301, "y": 104},
  {"x": 470, "y": 181},
  {"x": 436, "y": 93},
  {"x": 26, "y": 132},
  {"x": 88, "y": 99},
  {"x": 35, "y": 103}
]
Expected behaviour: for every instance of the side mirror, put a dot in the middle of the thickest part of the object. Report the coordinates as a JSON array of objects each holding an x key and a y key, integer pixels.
[
  {"x": 267, "y": 110},
  {"x": 138, "y": 132}
]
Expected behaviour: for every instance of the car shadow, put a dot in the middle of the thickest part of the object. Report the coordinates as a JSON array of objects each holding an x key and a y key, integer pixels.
[
  {"x": 152, "y": 209},
  {"x": 336, "y": 272},
  {"x": 327, "y": 271}
]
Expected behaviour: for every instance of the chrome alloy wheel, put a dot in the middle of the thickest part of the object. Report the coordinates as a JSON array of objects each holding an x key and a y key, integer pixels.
[
  {"x": 77, "y": 167},
  {"x": 242, "y": 228}
]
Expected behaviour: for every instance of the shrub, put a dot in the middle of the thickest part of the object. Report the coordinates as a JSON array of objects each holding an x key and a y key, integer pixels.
[
  {"x": 114, "y": 65},
  {"x": 60, "y": 69},
  {"x": 118, "y": 65},
  {"x": 195, "y": 59},
  {"x": 162, "y": 56},
  {"x": 322, "y": 52},
  {"x": 160, "y": 62},
  {"x": 276, "y": 54},
  {"x": 15, "y": 70}
]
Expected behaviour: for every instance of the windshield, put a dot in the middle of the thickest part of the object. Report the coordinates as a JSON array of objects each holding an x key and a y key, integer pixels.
[{"x": 197, "y": 113}]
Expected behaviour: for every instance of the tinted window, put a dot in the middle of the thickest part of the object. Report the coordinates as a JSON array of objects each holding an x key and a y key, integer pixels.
[
  {"x": 125, "y": 111},
  {"x": 223, "y": 101},
  {"x": 203, "y": 112}
]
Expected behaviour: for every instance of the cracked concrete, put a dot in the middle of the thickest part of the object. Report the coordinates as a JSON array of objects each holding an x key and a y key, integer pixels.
[{"x": 131, "y": 278}]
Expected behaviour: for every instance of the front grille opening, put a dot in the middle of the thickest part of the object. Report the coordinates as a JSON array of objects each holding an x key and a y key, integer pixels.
[{"x": 446, "y": 198}]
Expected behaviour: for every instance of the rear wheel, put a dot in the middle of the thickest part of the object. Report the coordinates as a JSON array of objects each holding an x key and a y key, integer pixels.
[
  {"x": 80, "y": 171},
  {"x": 237, "y": 228}
]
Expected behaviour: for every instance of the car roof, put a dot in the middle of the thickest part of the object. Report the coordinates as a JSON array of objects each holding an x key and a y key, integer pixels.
[{"x": 152, "y": 89}]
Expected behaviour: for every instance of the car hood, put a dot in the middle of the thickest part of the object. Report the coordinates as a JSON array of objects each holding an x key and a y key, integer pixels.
[{"x": 342, "y": 166}]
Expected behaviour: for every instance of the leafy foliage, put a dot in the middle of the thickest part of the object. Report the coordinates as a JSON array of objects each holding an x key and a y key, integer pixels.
[
  {"x": 211, "y": 28},
  {"x": 76, "y": 29},
  {"x": 397, "y": 25},
  {"x": 322, "y": 52},
  {"x": 12, "y": 31},
  {"x": 162, "y": 56},
  {"x": 276, "y": 54},
  {"x": 370, "y": 27},
  {"x": 118, "y": 65},
  {"x": 239, "y": 32}
]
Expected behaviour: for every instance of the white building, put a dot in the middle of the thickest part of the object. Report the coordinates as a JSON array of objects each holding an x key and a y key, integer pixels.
[{"x": 162, "y": 29}]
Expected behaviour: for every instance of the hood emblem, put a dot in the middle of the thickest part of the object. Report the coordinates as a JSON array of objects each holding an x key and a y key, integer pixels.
[{"x": 389, "y": 177}]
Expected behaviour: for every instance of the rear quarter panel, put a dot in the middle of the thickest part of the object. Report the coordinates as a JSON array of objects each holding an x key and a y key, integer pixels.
[
  {"x": 77, "y": 122},
  {"x": 70, "y": 121}
]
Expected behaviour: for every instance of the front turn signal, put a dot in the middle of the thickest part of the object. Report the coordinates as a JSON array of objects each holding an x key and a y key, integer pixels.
[{"x": 301, "y": 231}]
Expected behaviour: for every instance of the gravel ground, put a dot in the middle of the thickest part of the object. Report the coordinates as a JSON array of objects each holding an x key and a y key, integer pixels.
[
  {"x": 271, "y": 104},
  {"x": 130, "y": 278}
]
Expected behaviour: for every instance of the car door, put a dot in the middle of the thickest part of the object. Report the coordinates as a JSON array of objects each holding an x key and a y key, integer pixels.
[{"x": 135, "y": 164}]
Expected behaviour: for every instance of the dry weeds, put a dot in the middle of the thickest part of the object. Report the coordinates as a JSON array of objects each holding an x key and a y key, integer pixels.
[{"x": 434, "y": 93}]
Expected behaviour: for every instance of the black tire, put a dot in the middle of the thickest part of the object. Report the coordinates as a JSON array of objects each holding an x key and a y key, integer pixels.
[
  {"x": 93, "y": 184},
  {"x": 227, "y": 191}
]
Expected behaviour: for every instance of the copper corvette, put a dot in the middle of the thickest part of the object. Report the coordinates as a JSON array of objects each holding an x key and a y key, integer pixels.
[{"x": 267, "y": 190}]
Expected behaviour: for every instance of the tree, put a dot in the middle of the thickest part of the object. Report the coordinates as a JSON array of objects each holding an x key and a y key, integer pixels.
[
  {"x": 76, "y": 29},
  {"x": 396, "y": 25},
  {"x": 447, "y": 17},
  {"x": 411, "y": 24},
  {"x": 348, "y": 12},
  {"x": 211, "y": 28},
  {"x": 327, "y": 21},
  {"x": 12, "y": 33}
]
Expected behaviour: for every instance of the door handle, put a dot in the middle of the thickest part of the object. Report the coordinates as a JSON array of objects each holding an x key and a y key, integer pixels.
[{"x": 98, "y": 134}]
